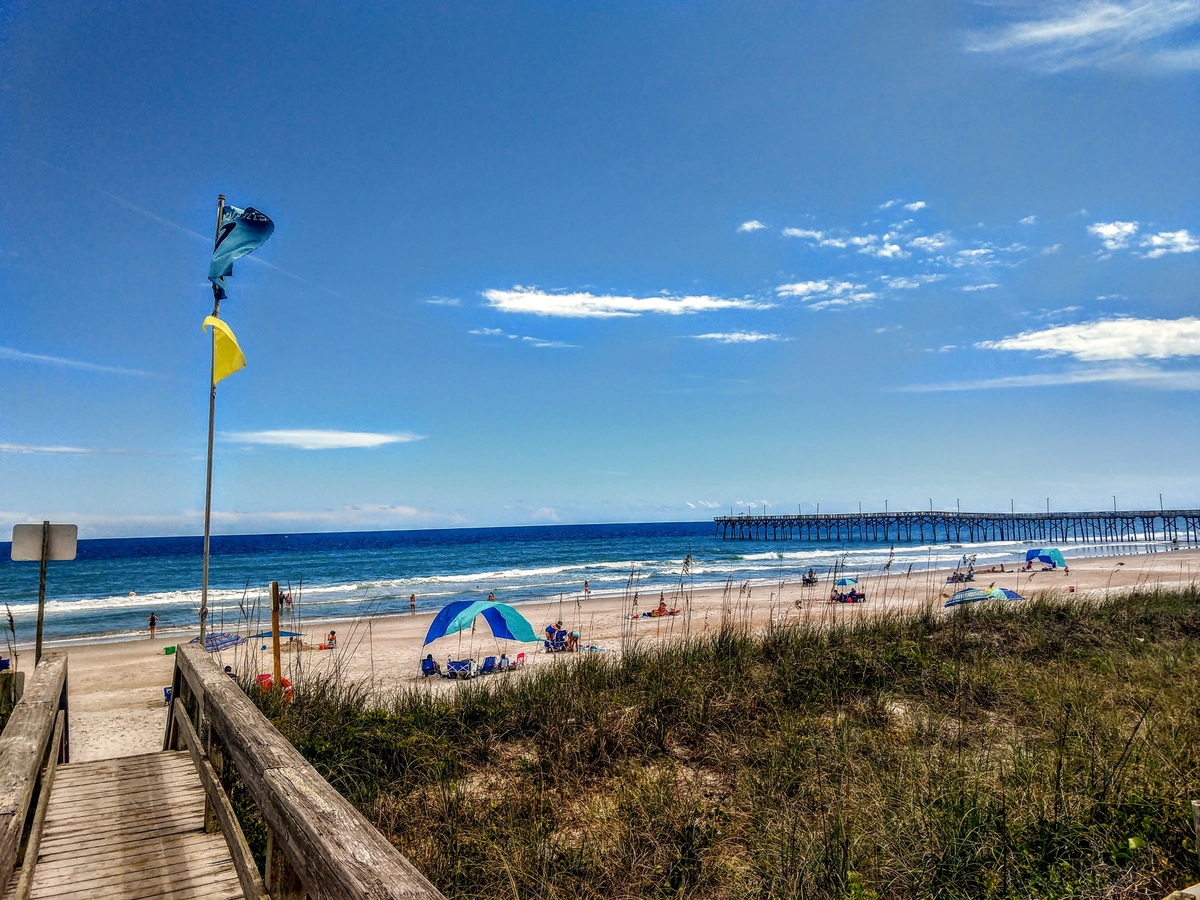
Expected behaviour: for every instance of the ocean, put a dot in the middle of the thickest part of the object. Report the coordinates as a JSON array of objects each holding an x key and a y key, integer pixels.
[{"x": 113, "y": 585}]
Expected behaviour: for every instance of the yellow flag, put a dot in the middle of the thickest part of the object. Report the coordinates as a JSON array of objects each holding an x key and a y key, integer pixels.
[{"x": 227, "y": 355}]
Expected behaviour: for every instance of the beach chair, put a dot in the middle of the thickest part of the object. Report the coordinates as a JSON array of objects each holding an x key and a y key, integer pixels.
[
  {"x": 460, "y": 668},
  {"x": 166, "y": 696},
  {"x": 519, "y": 663},
  {"x": 489, "y": 666},
  {"x": 428, "y": 667}
]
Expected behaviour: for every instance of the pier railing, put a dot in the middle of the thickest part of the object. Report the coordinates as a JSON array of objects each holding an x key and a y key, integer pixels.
[
  {"x": 318, "y": 844},
  {"x": 34, "y": 742},
  {"x": 1121, "y": 526}
]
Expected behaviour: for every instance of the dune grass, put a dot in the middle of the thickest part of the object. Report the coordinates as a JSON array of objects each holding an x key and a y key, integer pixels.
[{"x": 1002, "y": 751}]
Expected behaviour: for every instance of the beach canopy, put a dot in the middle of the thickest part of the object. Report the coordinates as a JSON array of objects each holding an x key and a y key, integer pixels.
[
  {"x": 978, "y": 595},
  {"x": 282, "y": 634},
  {"x": 504, "y": 621},
  {"x": 1051, "y": 555},
  {"x": 846, "y": 582},
  {"x": 218, "y": 640}
]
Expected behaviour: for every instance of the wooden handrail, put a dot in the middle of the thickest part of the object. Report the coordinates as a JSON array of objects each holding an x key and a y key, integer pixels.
[
  {"x": 23, "y": 748},
  {"x": 318, "y": 843}
]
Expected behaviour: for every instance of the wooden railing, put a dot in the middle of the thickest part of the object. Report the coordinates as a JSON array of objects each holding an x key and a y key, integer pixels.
[
  {"x": 36, "y": 735},
  {"x": 318, "y": 844}
]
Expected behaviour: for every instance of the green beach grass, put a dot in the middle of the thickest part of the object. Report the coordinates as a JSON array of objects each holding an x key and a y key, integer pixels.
[{"x": 1043, "y": 749}]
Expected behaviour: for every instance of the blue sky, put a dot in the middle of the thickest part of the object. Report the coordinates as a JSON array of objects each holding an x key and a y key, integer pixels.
[{"x": 598, "y": 262}]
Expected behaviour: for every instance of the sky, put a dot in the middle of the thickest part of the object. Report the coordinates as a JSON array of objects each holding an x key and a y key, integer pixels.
[{"x": 576, "y": 262}]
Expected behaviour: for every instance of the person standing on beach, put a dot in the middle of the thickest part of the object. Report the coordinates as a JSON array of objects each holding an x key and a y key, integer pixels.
[
  {"x": 153, "y": 620},
  {"x": 412, "y": 603},
  {"x": 587, "y": 590}
]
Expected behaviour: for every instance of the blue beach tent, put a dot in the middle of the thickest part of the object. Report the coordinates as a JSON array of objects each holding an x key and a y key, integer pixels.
[
  {"x": 1050, "y": 555},
  {"x": 218, "y": 640},
  {"x": 504, "y": 621},
  {"x": 282, "y": 634},
  {"x": 977, "y": 595}
]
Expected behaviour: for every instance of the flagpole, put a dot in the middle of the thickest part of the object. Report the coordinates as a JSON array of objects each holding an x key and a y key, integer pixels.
[{"x": 212, "y": 408}]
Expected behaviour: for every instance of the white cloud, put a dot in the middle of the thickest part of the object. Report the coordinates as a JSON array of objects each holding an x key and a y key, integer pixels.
[
  {"x": 737, "y": 337},
  {"x": 443, "y": 301},
  {"x": 931, "y": 242},
  {"x": 847, "y": 300},
  {"x": 1053, "y": 248},
  {"x": 914, "y": 206},
  {"x": 1160, "y": 33},
  {"x": 554, "y": 345},
  {"x": 488, "y": 332},
  {"x": 1114, "y": 235},
  {"x": 752, "y": 225},
  {"x": 603, "y": 306},
  {"x": 1108, "y": 339},
  {"x": 318, "y": 439},
  {"x": 43, "y": 359},
  {"x": 1135, "y": 376},
  {"x": 889, "y": 204},
  {"x": 975, "y": 253},
  {"x": 905, "y": 282},
  {"x": 1170, "y": 242},
  {"x": 978, "y": 287},
  {"x": 1028, "y": 220},
  {"x": 34, "y": 448},
  {"x": 802, "y": 288},
  {"x": 804, "y": 233}
]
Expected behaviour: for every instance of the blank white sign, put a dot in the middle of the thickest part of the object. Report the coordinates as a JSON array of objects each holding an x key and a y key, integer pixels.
[{"x": 27, "y": 542}]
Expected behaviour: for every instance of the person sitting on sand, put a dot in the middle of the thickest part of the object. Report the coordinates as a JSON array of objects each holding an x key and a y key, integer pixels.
[
  {"x": 662, "y": 609},
  {"x": 505, "y": 663},
  {"x": 572, "y": 641},
  {"x": 232, "y": 674},
  {"x": 331, "y": 640},
  {"x": 432, "y": 665}
]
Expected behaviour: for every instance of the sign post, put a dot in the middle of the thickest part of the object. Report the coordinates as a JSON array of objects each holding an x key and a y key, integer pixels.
[{"x": 43, "y": 543}]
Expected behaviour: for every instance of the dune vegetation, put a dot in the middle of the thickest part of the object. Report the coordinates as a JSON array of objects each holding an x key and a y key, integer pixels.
[{"x": 1042, "y": 749}]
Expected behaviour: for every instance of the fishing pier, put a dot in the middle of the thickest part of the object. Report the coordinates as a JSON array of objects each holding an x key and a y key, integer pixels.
[{"x": 1124, "y": 526}]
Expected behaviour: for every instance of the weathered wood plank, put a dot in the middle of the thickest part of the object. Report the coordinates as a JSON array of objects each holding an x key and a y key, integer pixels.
[
  {"x": 22, "y": 750},
  {"x": 25, "y": 881},
  {"x": 218, "y": 801},
  {"x": 332, "y": 848}
]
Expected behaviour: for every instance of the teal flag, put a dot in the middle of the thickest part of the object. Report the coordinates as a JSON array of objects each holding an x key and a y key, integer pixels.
[{"x": 242, "y": 231}]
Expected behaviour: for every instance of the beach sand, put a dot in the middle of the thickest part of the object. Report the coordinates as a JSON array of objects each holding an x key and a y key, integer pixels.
[{"x": 116, "y": 689}]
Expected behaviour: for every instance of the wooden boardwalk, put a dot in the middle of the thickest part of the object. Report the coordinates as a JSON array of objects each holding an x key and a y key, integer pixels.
[{"x": 131, "y": 829}]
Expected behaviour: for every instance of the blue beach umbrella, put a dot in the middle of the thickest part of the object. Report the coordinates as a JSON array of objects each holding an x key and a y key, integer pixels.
[
  {"x": 1051, "y": 555},
  {"x": 846, "y": 582},
  {"x": 978, "y": 595},
  {"x": 282, "y": 634},
  {"x": 504, "y": 621}
]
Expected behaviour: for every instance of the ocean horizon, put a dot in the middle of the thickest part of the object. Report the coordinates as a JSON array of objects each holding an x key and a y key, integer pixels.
[{"x": 114, "y": 584}]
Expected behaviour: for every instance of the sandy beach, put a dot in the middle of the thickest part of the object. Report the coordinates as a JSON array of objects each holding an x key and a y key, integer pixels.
[{"x": 116, "y": 689}]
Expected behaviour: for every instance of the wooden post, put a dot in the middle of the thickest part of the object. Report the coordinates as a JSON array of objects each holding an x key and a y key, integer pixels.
[
  {"x": 37, "y": 653},
  {"x": 1196, "y": 823},
  {"x": 282, "y": 883},
  {"x": 277, "y": 683}
]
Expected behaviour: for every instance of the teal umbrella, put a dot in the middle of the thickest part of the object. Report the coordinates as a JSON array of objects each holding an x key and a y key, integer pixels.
[
  {"x": 504, "y": 621},
  {"x": 846, "y": 582}
]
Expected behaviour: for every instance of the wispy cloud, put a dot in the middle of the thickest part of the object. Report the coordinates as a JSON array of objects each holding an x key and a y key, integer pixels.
[
  {"x": 752, "y": 225},
  {"x": 43, "y": 359},
  {"x": 978, "y": 287},
  {"x": 915, "y": 205},
  {"x": 34, "y": 448},
  {"x": 737, "y": 337},
  {"x": 931, "y": 243},
  {"x": 583, "y": 304},
  {"x": 444, "y": 301},
  {"x": 1028, "y": 220},
  {"x": 702, "y": 504},
  {"x": 1135, "y": 376},
  {"x": 1070, "y": 34},
  {"x": 319, "y": 439},
  {"x": 1110, "y": 339},
  {"x": 535, "y": 341},
  {"x": 908, "y": 283},
  {"x": 1164, "y": 242},
  {"x": 827, "y": 293}
]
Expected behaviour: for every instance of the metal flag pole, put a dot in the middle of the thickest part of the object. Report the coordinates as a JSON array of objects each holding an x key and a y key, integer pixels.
[{"x": 212, "y": 408}]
